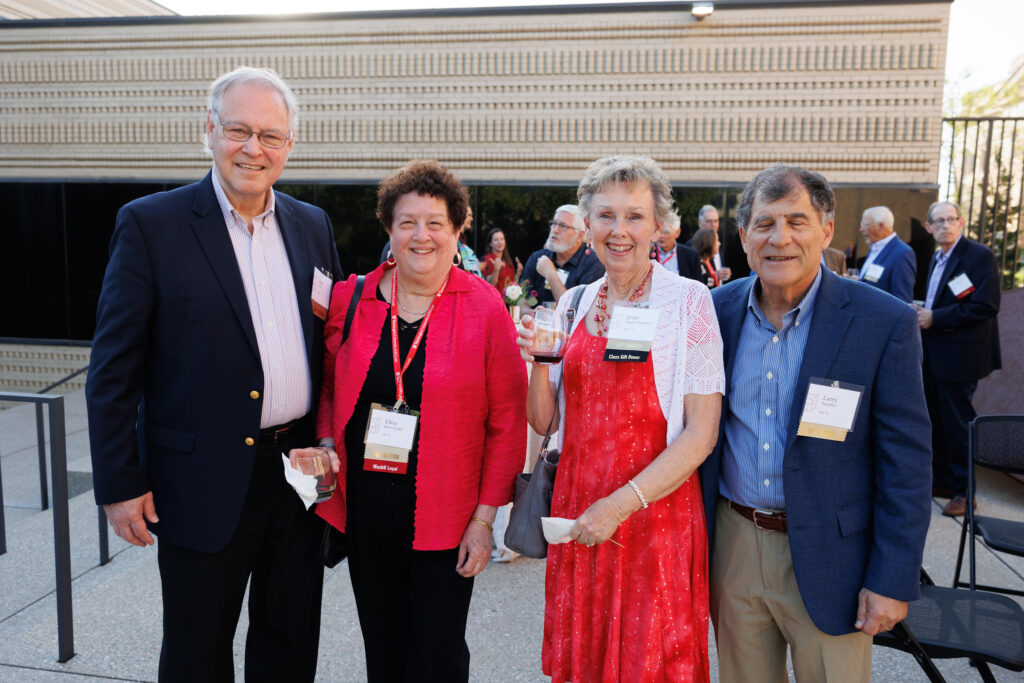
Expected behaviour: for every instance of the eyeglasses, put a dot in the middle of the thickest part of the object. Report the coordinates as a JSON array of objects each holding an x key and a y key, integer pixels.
[
  {"x": 240, "y": 132},
  {"x": 560, "y": 225},
  {"x": 943, "y": 221}
]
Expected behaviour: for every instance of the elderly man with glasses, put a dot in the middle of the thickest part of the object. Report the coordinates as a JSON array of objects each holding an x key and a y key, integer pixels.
[
  {"x": 564, "y": 262},
  {"x": 205, "y": 368}
]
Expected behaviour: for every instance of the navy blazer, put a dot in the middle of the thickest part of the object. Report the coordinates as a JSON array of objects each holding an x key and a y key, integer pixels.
[
  {"x": 899, "y": 270},
  {"x": 174, "y": 359},
  {"x": 962, "y": 345},
  {"x": 858, "y": 510},
  {"x": 687, "y": 262}
]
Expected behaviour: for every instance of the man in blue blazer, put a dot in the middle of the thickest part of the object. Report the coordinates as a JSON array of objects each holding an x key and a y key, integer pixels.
[
  {"x": 205, "y": 369},
  {"x": 890, "y": 264},
  {"x": 961, "y": 345},
  {"x": 816, "y": 494}
]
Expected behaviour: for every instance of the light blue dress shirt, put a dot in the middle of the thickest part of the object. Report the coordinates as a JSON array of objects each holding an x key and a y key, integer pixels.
[{"x": 762, "y": 385}]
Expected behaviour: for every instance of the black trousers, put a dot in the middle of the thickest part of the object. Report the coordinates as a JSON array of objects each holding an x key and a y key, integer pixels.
[
  {"x": 275, "y": 551},
  {"x": 412, "y": 604},
  {"x": 951, "y": 411}
]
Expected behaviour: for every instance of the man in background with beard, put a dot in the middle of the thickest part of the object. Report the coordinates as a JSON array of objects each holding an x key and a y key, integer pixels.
[{"x": 564, "y": 262}]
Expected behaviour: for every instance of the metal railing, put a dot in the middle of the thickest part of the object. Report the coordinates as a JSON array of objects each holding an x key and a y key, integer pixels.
[{"x": 982, "y": 170}]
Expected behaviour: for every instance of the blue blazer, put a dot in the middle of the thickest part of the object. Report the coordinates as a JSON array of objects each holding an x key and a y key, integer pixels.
[
  {"x": 900, "y": 270},
  {"x": 174, "y": 359},
  {"x": 858, "y": 510},
  {"x": 962, "y": 345}
]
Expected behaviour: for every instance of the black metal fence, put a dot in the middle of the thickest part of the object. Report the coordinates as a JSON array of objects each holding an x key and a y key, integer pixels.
[{"x": 982, "y": 170}]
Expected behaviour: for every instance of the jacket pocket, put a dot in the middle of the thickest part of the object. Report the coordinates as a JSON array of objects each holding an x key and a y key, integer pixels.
[
  {"x": 855, "y": 518},
  {"x": 165, "y": 437}
]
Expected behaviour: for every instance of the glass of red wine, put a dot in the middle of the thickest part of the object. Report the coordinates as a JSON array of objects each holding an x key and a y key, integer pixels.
[{"x": 550, "y": 332}]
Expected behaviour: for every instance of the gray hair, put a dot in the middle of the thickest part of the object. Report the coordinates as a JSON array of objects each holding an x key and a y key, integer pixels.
[
  {"x": 704, "y": 211},
  {"x": 577, "y": 219},
  {"x": 626, "y": 169},
  {"x": 780, "y": 180},
  {"x": 880, "y": 214},
  {"x": 959, "y": 214},
  {"x": 672, "y": 221},
  {"x": 266, "y": 78}
]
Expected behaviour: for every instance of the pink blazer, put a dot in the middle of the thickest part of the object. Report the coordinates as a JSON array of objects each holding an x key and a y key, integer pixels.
[{"x": 472, "y": 435}]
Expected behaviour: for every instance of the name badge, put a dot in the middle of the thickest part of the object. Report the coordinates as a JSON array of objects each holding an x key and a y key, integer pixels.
[
  {"x": 321, "y": 293},
  {"x": 830, "y": 409},
  {"x": 389, "y": 438},
  {"x": 563, "y": 276},
  {"x": 874, "y": 272},
  {"x": 961, "y": 286},
  {"x": 630, "y": 333}
]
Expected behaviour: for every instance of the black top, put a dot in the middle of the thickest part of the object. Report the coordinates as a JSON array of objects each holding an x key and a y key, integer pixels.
[{"x": 583, "y": 269}]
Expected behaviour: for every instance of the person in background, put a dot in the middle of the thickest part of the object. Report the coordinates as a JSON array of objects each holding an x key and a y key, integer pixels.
[
  {"x": 626, "y": 600},
  {"x": 707, "y": 219},
  {"x": 417, "y": 507},
  {"x": 675, "y": 256},
  {"x": 498, "y": 267},
  {"x": 705, "y": 241},
  {"x": 205, "y": 368},
  {"x": 564, "y": 262},
  {"x": 835, "y": 260},
  {"x": 817, "y": 534},
  {"x": 890, "y": 264},
  {"x": 960, "y": 334}
]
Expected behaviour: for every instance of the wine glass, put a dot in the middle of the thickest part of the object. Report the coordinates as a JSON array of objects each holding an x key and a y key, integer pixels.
[
  {"x": 550, "y": 331},
  {"x": 317, "y": 463}
]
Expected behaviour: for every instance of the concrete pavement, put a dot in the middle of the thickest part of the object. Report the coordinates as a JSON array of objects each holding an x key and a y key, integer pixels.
[{"x": 117, "y": 608}]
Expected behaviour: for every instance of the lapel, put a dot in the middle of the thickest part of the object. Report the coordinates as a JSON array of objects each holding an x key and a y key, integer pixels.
[
  {"x": 212, "y": 235},
  {"x": 731, "y": 313},
  {"x": 829, "y": 323},
  {"x": 301, "y": 265},
  {"x": 951, "y": 264}
]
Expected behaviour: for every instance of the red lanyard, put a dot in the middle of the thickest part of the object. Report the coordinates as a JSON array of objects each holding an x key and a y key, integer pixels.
[
  {"x": 399, "y": 371},
  {"x": 712, "y": 273},
  {"x": 665, "y": 260}
]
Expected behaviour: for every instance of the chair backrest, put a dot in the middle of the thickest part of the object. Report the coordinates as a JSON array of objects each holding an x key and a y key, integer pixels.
[{"x": 997, "y": 442}]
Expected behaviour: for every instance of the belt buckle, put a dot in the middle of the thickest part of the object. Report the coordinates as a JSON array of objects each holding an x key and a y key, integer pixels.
[
  {"x": 280, "y": 432},
  {"x": 764, "y": 513}
]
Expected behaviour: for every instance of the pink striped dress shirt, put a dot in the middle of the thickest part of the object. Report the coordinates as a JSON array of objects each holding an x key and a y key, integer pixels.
[{"x": 270, "y": 291}]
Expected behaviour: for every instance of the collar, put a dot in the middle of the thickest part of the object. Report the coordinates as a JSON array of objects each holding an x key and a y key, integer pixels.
[
  {"x": 942, "y": 256},
  {"x": 573, "y": 261},
  {"x": 803, "y": 309},
  {"x": 881, "y": 244},
  {"x": 229, "y": 211}
]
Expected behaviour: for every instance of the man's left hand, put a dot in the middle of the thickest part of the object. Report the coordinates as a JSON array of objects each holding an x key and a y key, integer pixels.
[
  {"x": 877, "y": 613},
  {"x": 924, "y": 318}
]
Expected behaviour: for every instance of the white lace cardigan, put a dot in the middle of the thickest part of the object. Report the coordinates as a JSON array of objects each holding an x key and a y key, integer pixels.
[{"x": 687, "y": 346}]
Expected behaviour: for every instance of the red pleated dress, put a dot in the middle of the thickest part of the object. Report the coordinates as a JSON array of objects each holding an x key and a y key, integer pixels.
[{"x": 637, "y": 613}]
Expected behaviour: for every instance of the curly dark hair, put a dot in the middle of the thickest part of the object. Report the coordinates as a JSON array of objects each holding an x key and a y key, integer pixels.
[
  {"x": 778, "y": 181},
  {"x": 704, "y": 242},
  {"x": 427, "y": 177}
]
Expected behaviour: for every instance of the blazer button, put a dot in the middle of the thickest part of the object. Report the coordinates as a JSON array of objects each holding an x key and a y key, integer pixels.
[
  {"x": 249, "y": 441},
  {"x": 254, "y": 394}
]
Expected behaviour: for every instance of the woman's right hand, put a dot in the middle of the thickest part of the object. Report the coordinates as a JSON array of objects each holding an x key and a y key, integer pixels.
[{"x": 526, "y": 333}]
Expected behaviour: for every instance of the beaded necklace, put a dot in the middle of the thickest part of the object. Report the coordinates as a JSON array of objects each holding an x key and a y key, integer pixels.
[{"x": 601, "y": 308}]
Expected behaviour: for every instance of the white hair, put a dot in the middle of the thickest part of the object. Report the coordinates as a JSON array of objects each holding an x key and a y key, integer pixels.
[
  {"x": 266, "y": 78},
  {"x": 704, "y": 211},
  {"x": 880, "y": 214},
  {"x": 577, "y": 219}
]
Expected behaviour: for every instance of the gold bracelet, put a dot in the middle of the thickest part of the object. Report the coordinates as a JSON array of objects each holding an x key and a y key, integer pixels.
[{"x": 483, "y": 523}]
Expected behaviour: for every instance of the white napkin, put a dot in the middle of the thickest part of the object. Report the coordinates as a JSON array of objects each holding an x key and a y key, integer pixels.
[
  {"x": 556, "y": 529},
  {"x": 304, "y": 484}
]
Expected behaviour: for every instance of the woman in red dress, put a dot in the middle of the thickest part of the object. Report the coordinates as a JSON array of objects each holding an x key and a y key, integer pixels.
[
  {"x": 627, "y": 599},
  {"x": 498, "y": 268}
]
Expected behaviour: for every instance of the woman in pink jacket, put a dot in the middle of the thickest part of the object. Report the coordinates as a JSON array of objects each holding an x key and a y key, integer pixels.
[{"x": 428, "y": 439}]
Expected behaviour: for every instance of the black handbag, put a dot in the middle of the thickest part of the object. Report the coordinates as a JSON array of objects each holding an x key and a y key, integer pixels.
[
  {"x": 532, "y": 498},
  {"x": 333, "y": 546}
]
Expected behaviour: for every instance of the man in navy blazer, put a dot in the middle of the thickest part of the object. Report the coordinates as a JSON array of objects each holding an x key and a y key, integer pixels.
[
  {"x": 676, "y": 256},
  {"x": 890, "y": 264},
  {"x": 961, "y": 345},
  {"x": 205, "y": 368},
  {"x": 816, "y": 494}
]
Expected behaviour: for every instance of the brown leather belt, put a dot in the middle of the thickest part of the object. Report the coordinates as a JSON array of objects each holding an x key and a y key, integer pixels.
[{"x": 768, "y": 520}]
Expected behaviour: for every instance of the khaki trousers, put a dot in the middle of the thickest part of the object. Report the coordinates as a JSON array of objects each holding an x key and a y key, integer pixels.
[{"x": 757, "y": 610}]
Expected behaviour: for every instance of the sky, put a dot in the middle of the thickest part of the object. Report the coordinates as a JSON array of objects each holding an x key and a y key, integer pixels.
[{"x": 984, "y": 35}]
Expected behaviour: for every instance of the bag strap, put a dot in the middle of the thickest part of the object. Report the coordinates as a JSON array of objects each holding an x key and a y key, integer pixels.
[
  {"x": 570, "y": 314},
  {"x": 356, "y": 293}
]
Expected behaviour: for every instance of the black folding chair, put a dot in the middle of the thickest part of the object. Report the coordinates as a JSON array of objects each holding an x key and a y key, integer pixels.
[
  {"x": 950, "y": 623},
  {"x": 996, "y": 442}
]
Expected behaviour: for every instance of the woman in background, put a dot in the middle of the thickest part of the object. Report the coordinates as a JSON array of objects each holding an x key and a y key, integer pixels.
[
  {"x": 498, "y": 268},
  {"x": 705, "y": 241}
]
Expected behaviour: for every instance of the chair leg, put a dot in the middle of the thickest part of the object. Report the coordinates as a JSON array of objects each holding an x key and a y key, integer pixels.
[
  {"x": 960, "y": 556},
  {"x": 902, "y": 633},
  {"x": 984, "y": 670}
]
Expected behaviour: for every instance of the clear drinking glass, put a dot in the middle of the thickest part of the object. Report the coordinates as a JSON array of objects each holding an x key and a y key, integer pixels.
[
  {"x": 550, "y": 331},
  {"x": 318, "y": 464}
]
